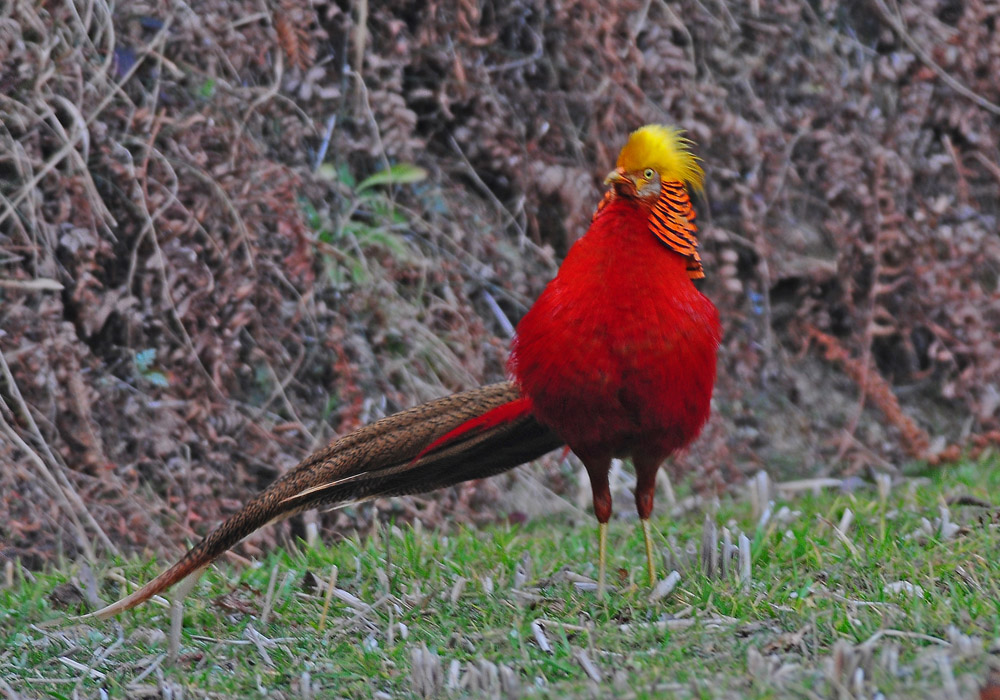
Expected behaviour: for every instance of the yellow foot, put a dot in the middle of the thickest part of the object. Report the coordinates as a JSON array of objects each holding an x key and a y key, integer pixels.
[
  {"x": 649, "y": 552},
  {"x": 602, "y": 539}
]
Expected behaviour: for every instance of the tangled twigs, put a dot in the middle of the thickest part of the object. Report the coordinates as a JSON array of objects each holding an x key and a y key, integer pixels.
[
  {"x": 48, "y": 468},
  {"x": 925, "y": 57},
  {"x": 916, "y": 441}
]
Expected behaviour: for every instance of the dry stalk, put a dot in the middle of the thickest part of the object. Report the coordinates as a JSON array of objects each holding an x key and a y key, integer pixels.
[
  {"x": 71, "y": 502},
  {"x": 916, "y": 441}
]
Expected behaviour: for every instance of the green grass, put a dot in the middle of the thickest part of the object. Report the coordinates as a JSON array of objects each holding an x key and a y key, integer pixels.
[{"x": 819, "y": 618}]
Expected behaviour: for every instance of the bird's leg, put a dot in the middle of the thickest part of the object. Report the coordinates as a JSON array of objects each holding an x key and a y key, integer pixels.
[
  {"x": 602, "y": 548},
  {"x": 597, "y": 470},
  {"x": 650, "y": 564},
  {"x": 645, "y": 487}
]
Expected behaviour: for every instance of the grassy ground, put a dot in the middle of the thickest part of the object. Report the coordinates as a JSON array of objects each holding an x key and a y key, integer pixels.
[{"x": 900, "y": 597}]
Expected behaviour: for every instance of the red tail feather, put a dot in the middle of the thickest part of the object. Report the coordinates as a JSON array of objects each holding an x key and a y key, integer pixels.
[{"x": 501, "y": 414}]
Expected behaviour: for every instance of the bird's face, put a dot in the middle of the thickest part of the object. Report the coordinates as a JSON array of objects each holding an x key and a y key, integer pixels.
[{"x": 643, "y": 184}]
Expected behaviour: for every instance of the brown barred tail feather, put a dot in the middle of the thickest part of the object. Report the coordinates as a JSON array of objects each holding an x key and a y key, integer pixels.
[{"x": 387, "y": 458}]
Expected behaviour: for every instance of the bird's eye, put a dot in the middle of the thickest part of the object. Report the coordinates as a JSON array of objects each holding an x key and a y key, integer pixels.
[{"x": 648, "y": 173}]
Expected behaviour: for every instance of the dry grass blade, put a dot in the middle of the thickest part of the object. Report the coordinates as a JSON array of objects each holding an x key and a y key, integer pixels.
[
  {"x": 588, "y": 666},
  {"x": 709, "y": 553},
  {"x": 665, "y": 587},
  {"x": 745, "y": 562},
  {"x": 330, "y": 587},
  {"x": 269, "y": 596},
  {"x": 426, "y": 672},
  {"x": 540, "y": 638},
  {"x": 727, "y": 552},
  {"x": 261, "y": 644}
]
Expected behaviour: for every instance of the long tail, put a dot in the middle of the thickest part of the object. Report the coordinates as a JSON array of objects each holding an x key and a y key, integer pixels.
[{"x": 465, "y": 436}]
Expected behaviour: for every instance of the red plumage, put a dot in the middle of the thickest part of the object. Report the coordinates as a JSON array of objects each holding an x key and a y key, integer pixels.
[{"x": 618, "y": 353}]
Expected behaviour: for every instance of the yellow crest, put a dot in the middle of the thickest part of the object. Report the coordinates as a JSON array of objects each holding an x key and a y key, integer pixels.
[{"x": 665, "y": 150}]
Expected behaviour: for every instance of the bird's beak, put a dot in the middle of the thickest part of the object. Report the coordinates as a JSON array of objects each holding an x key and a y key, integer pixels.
[
  {"x": 623, "y": 184},
  {"x": 617, "y": 177}
]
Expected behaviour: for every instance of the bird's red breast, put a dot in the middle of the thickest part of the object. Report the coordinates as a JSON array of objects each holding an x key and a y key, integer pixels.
[{"x": 618, "y": 353}]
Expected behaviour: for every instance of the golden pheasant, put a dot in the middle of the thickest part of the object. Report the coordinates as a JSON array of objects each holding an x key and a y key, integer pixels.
[{"x": 616, "y": 358}]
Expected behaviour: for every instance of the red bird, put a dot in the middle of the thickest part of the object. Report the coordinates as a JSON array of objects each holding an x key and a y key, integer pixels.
[
  {"x": 618, "y": 353},
  {"x": 615, "y": 359}
]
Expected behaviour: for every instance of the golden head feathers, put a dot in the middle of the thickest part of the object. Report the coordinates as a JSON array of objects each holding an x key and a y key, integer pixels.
[{"x": 665, "y": 150}]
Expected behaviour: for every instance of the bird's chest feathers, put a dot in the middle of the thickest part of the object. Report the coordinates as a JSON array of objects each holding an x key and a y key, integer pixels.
[
  {"x": 638, "y": 323},
  {"x": 626, "y": 299},
  {"x": 621, "y": 342}
]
